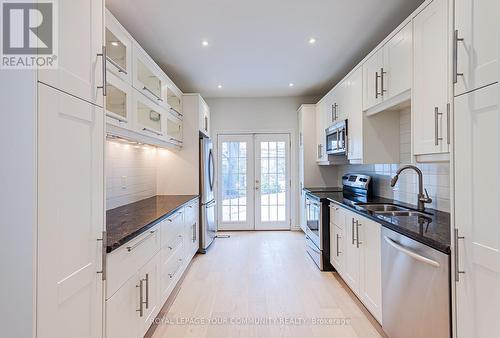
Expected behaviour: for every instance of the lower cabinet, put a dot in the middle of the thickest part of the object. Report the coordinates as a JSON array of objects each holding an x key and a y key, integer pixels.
[
  {"x": 132, "y": 305},
  {"x": 356, "y": 255}
]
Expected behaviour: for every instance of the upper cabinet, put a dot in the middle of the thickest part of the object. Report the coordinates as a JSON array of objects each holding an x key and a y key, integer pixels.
[
  {"x": 194, "y": 104},
  {"x": 118, "y": 49},
  {"x": 387, "y": 73},
  {"x": 323, "y": 114},
  {"x": 80, "y": 70},
  {"x": 477, "y": 24},
  {"x": 118, "y": 101},
  {"x": 431, "y": 111},
  {"x": 204, "y": 118},
  {"x": 147, "y": 78}
]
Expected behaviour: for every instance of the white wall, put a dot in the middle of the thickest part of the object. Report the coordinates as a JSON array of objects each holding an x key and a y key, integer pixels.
[
  {"x": 130, "y": 173},
  {"x": 269, "y": 114}
]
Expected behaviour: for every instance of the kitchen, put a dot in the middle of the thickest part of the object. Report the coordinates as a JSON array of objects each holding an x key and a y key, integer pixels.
[{"x": 163, "y": 189}]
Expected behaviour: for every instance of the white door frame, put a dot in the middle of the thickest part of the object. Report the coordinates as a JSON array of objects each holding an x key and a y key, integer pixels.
[{"x": 290, "y": 173}]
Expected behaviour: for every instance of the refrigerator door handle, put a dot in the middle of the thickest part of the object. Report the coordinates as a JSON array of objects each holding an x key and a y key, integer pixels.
[
  {"x": 211, "y": 169},
  {"x": 209, "y": 204}
]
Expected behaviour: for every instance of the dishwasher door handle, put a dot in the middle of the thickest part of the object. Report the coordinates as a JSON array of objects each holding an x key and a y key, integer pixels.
[{"x": 411, "y": 253}]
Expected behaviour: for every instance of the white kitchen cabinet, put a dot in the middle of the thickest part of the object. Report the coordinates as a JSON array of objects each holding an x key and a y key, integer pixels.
[
  {"x": 131, "y": 310},
  {"x": 147, "y": 77},
  {"x": 371, "y": 80},
  {"x": 195, "y": 104},
  {"x": 80, "y": 62},
  {"x": 355, "y": 243},
  {"x": 191, "y": 226},
  {"x": 387, "y": 73},
  {"x": 370, "y": 286},
  {"x": 430, "y": 105},
  {"x": 70, "y": 156},
  {"x": 119, "y": 108},
  {"x": 150, "y": 118},
  {"x": 322, "y": 111},
  {"x": 370, "y": 139},
  {"x": 477, "y": 197},
  {"x": 476, "y": 54},
  {"x": 174, "y": 127},
  {"x": 118, "y": 49}
]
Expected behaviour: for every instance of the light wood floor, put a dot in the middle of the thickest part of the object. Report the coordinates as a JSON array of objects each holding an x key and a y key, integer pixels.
[{"x": 262, "y": 275}]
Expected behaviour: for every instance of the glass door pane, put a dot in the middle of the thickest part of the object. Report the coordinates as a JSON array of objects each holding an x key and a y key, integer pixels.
[
  {"x": 236, "y": 182},
  {"x": 272, "y": 181},
  {"x": 116, "y": 50}
]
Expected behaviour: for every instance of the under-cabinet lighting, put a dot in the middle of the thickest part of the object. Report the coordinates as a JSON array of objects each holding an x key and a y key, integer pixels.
[{"x": 114, "y": 43}]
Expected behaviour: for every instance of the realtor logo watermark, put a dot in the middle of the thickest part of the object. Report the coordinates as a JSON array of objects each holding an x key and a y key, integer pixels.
[{"x": 29, "y": 34}]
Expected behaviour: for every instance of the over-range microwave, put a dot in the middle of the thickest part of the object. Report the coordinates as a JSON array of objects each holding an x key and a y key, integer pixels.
[{"x": 336, "y": 138}]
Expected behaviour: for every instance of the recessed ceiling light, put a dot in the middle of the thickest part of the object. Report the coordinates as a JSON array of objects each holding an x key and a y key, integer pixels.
[
  {"x": 219, "y": 86},
  {"x": 114, "y": 43},
  {"x": 204, "y": 43},
  {"x": 312, "y": 41},
  {"x": 291, "y": 84}
]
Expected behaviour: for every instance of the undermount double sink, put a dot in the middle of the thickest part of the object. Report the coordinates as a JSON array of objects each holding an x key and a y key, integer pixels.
[{"x": 390, "y": 210}]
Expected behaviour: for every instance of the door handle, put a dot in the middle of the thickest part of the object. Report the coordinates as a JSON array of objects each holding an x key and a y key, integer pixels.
[
  {"x": 436, "y": 126},
  {"x": 448, "y": 122},
  {"x": 376, "y": 85},
  {"x": 152, "y": 93},
  {"x": 357, "y": 234},
  {"x": 120, "y": 68},
  {"x": 338, "y": 250},
  {"x": 147, "y": 291},
  {"x": 456, "y": 39},
  {"x": 141, "y": 298},
  {"x": 457, "y": 261},
  {"x": 382, "y": 90},
  {"x": 352, "y": 231},
  {"x": 130, "y": 248},
  {"x": 103, "y": 68}
]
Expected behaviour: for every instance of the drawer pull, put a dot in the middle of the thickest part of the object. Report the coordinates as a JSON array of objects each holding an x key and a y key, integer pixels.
[
  {"x": 171, "y": 219},
  {"x": 130, "y": 248},
  {"x": 141, "y": 299},
  {"x": 171, "y": 275}
]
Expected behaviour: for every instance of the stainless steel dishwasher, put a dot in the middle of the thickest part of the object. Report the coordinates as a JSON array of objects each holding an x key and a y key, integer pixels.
[{"x": 415, "y": 288}]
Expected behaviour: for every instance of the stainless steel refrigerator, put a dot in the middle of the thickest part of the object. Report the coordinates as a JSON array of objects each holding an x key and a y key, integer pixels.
[{"x": 208, "y": 227}]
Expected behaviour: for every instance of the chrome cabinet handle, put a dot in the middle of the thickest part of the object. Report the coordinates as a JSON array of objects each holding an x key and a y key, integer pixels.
[
  {"x": 457, "y": 262},
  {"x": 376, "y": 85},
  {"x": 338, "y": 250},
  {"x": 332, "y": 113},
  {"x": 357, "y": 234},
  {"x": 171, "y": 275},
  {"x": 120, "y": 68},
  {"x": 147, "y": 290},
  {"x": 141, "y": 298},
  {"x": 152, "y": 93},
  {"x": 206, "y": 123},
  {"x": 456, "y": 39},
  {"x": 382, "y": 90},
  {"x": 448, "y": 128},
  {"x": 103, "y": 68},
  {"x": 130, "y": 248},
  {"x": 116, "y": 118},
  {"x": 194, "y": 232},
  {"x": 177, "y": 214},
  {"x": 352, "y": 231},
  {"x": 179, "y": 115},
  {"x": 159, "y": 133},
  {"x": 436, "y": 126},
  {"x": 104, "y": 245}
]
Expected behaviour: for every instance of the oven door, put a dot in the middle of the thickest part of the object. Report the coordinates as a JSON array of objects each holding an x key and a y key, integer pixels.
[{"x": 313, "y": 221}]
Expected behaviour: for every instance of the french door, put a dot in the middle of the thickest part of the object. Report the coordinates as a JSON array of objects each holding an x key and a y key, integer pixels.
[{"x": 254, "y": 182}]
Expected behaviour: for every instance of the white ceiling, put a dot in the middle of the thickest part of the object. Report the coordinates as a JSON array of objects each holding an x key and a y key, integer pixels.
[{"x": 257, "y": 47}]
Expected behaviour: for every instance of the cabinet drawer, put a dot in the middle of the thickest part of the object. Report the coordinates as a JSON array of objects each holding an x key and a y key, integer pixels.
[
  {"x": 171, "y": 268},
  {"x": 336, "y": 216},
  {"x": 172, "y": 227},
  {"x": 128, "y": 259}
]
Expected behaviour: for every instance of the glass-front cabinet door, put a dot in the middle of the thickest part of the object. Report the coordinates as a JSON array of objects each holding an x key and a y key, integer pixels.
[
  {"x": 118, "y": 49},
  {"x": 118, "y": 101},
  {"x": 149, "y": 117},
  {"x": 174, "y": 101},
  {"x": 174, "y": 129},
  {"x": 147, "y": 78}
]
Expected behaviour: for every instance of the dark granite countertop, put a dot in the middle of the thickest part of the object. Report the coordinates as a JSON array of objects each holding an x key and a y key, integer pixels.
[
  {"x": 433, "y": 231},
  {"x": 128, "y": 221}
]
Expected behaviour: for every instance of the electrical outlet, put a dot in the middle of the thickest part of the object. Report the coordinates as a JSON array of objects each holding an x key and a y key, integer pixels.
[{"x": 124, "y": 182}]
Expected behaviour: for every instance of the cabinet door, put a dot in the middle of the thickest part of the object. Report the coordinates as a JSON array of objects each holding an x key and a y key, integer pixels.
[
  {"x": 204, "y": 118},
  {"x": 350, "y": 271},
  {"x": 477, "y": 199},
  {"x": 174, "y": 128},
  {"x": 118, "y": 102},
  {"x": 147, "y": 78},
  {"x": 337, "y": 247},
  {"x": 478, "y": 24},
  {"x": 118, "y": 49},
  {"x": 370, "y": 286},
  {"x": 70, "y": 163},
  {"x": 398, "y": 63},
  {"x": 371, "y": 80},
  {"x": 331, "y": 113},
  {"x": 149, "y": 118},
  {"x": 321, "y": 109},
  {"x": 430, "y": 83},
  {"x": 150, "y": 277},
  {"x": 80, "y": 38},
  {"x": 122, "y": 315},
  {"x": 355, "y": 109}
]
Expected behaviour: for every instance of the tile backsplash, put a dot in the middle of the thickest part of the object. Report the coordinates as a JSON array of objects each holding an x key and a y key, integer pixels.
[
  {"x": 436, "y": 175},
  {"x": 131, "y": 173}
]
